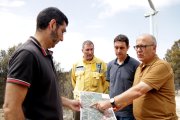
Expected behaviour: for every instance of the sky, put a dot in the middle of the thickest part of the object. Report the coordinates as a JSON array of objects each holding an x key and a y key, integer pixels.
[{"x": 97, "y": 20}]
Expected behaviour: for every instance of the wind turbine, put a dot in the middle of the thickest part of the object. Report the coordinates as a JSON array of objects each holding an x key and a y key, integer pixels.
[{"x": 150, "y": 15}]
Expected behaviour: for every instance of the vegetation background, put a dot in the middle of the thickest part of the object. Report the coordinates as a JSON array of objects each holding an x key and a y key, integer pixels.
[{"x": 64, "y": 78}]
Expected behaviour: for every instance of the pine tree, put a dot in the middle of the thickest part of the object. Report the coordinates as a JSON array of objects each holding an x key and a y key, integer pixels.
[{"x": 173, "y": 57}]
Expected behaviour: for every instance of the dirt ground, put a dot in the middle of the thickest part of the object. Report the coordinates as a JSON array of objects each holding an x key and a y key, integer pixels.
[{"x": 178, "y": 106}]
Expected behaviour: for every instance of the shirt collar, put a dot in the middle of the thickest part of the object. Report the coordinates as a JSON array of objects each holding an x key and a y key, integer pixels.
[
  {"x": 44, "y": 51},
  {"x": 151, "y": 62},
  {"x": 125, "y": 61},
  {"x": 90, "y": 62}
]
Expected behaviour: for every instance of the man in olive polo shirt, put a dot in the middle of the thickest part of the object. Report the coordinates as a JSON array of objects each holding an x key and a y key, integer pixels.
[
  {"x": 153, "y": 92},
  {"x": 157, "y": 79}
]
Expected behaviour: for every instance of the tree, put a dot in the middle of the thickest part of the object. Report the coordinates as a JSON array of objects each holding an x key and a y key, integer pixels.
[
  {"x": 4, "y": 58},
  {"x": 64, "y": 80},
  {"x": 173, "y": 57}
]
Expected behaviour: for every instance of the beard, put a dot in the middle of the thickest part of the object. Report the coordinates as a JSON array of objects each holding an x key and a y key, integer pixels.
[{"x": 54, "y": 36}]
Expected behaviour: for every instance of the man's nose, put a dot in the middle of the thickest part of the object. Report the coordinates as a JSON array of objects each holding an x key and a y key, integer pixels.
[
  {"x": 90, "y": 51},
  {"x": 119, "y": 50}
]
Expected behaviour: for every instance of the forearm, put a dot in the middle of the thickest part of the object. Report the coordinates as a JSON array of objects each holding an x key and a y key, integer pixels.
[
  {"x": 127, "y": 97},
  {"x": 13, "y": 113},
  {"x": 65, "y": 102},
  {"x": 72, "y": 104},
  {"x": 14, "y": 97}
]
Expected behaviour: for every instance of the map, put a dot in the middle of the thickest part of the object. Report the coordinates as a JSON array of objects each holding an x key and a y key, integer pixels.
[{"x": 89, "y": 113}]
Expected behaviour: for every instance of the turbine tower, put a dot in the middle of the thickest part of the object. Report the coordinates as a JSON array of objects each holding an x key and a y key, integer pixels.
[{"x": 150, "y": 15}]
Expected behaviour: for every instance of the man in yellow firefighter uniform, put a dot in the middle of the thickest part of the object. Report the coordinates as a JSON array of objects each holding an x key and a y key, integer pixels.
[{"x": 88, "y": 74}]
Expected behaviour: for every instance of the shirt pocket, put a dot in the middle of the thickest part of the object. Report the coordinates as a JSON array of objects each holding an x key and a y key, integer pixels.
[
  {"x": 96, "y": 79},
  {"x": 79, "y": 75}
]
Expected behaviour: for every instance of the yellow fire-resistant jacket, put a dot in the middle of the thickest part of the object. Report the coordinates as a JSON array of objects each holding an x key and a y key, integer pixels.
[{"x": 89, "y": 76}]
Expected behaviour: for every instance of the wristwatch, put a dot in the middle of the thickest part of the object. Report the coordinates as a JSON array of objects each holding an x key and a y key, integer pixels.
[{"x": 112, "y": 101}]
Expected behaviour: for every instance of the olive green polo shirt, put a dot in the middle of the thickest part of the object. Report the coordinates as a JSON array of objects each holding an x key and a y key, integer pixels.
[{"x": 158, "y": 103}]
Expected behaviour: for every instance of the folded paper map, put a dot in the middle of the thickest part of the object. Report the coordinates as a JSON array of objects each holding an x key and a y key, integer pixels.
[{"x": 90, "y": 113}]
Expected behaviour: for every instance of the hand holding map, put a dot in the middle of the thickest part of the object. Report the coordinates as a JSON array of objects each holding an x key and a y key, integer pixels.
[{"x": 90, "y": 111}]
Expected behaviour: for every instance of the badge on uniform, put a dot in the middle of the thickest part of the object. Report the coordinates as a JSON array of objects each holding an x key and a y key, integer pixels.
[
  {"x": 98, "y": 67},
  {"x": 80, "y": 68}
]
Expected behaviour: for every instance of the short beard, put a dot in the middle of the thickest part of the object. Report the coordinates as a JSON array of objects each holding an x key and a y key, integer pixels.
[{"x": 54, "y": 36}]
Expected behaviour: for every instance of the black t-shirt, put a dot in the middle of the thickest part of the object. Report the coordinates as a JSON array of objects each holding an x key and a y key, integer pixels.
[{"x": 32, "y": 66}]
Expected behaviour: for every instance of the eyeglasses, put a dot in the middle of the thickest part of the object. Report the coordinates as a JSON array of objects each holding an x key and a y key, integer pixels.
[{"x": 141, "y": 46}]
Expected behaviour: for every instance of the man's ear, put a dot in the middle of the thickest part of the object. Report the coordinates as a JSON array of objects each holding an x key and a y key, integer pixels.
[
  {"x": 54, "y": 27},
  {"x": 52, "y": 24}
]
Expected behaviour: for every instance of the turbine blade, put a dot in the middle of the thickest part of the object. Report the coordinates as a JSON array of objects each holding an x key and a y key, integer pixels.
[{"x": 151, "y": 5}]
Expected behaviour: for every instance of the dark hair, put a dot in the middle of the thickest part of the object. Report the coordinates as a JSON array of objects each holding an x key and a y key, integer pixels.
[
  {"x": 87, "y": 42},
  {"x": 46, "y": 15},
  {"x": 122, "y": 38}
]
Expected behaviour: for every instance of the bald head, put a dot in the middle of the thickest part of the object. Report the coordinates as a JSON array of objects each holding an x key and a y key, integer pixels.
[
  {"x": 148, "y": 38},
  {"x": 146, "y": 48}
]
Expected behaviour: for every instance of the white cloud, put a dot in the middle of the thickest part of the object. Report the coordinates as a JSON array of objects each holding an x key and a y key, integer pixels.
[
  {"x": 112, "y": 7},
  {"x": 69, "y": 51},
  {"x": 94, "y": 26},
  {"x": 103, "y": 48},
  {"x": 14, "y": 29},
  {"x": 12, "y": 3}
]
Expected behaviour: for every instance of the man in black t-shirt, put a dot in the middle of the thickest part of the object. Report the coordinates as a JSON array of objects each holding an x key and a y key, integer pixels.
[{"x": 31, "y": 89}]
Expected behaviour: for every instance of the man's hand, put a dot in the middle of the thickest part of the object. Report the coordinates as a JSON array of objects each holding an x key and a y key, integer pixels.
[
  {"x": 101, "y": 105},
  {"x": 117, "y": 108},
  {"x": 72, "y": 104},
  {"x": 75, "y": 105}
]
